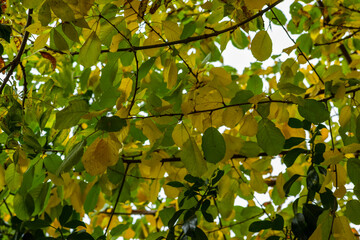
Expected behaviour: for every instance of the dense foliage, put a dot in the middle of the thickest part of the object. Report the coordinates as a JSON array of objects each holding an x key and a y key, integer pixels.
[{"x": 118, "y": 120}]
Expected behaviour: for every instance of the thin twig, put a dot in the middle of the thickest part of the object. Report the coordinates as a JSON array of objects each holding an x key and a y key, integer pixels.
[
  {"x": 298, "y": 48},
  {"x": 17, "y": 59},
  {"x": 133, "y": 212},
  {"x": 237, "y": 223},
  {"x": 197, "y": 38},
  {"x": 117, "y": 198},
  {"x": 337, "y": 41},
  {"x": 25, "y": 85}
]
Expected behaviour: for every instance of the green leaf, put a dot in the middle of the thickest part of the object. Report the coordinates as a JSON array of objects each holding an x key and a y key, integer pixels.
[
  {"x": 189, "y": 29},
  {"x": 193, "y": 159},
  {"x": 292, "y": 155},
  {"x": 269, "y": 137},
  {"x": 292, "y": 142},
  {"x": 92, "y": 198},
  {"x": 250, "y": 149},
  {"x": 59, "y": 41},
  {"x": 70, "y": 31},
  {"x": 5, "y": 32},
  {"x": 357, "y": 132},
  {"x": 175, "y": 184},
  {"x": 278, "y": 223},
  {"x": 71, "y": 115},
  {"x": 36, "y": 224},
  {"x": 62, "y": 10},
  {"x": 213, "y": 145},
  {"x": 255, "y": 84},
  {"x": 145, "y": 68},
  {"x": 290, "y": 88},
  {"x": 260, "y": 225},
  {"x": 305, "y": 43},
  {"x": 44, "y": 15},
  {"x": 239, "y": 39},
  {"x": 166, "y": 214},
  {"x": 90, "y": 51},
  {"x": 65, "y": 215},
  {"x": 289, "y": 183},
  {"x": 72, "y": 158},
  {"x": 261, "y": 46},
  {"x": 74, "y": 224},
  {"x": 353, "y": 170},
  {"x": 314, "y": 111},
  {"x": 52, "y": 163},
  {"x": 241, "y": 97},
  {"x": 295, "y": 123},
  {"x": 279, "y": 14},
  {"x": 24, "y": 206},
  {"x": 111, "y": 124},
  {"x": 199, "y": 234}
]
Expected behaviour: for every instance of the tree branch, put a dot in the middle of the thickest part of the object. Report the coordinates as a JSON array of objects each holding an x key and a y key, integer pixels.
[
  {"x": 196, "y": 38},
  {"x": 133, "y": 212},
  {"x": 17, "y": 59}
]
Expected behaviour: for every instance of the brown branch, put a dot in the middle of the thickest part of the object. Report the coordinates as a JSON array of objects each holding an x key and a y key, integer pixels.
[
  {"x": 341, "y": 26},
  {"x": 196, "y": 38},
  {"x": 133, "y": 212},
  {"x": 339, "y": 40},
  {"x": 25, "y": 85},
  {"x": 17, "y": 59},
  {"x": 327, "y": 20}
]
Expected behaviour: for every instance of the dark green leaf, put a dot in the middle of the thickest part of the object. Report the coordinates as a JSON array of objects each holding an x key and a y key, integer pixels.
[
  {"x": 255, "y": 84},
  {"x": 175, "y": 184},
  {"x": 289, "y": 183},
  {"x": 260, "y": 225},
  {"x": 218, "y": 176},
  {"x": 74, "y": 224},
  {"x": 213, "y": 145},
  {"x": 71, "y": 115},
  {"x": 200, "y": 235},
  {"x": 292, "y": 155},
  {"x": 353, "y": 169},
  {"x": 292, "y": 142},
  {"x": 175, "y": 217},
  {"x": 145, "y": 68},
  {"x": 295, "y": 123},
  {"x": 269, "y": 137},
  {"x": 66, "y": 213},
  {"x": 278, "y": 223},
  {"x": 111, "y": 124},
  {"x": 36, "y": 224},
  {"x": 188, "y": 30},
  {"x": 241, "y": 97},
  {"x": 299, "y": 227},
  {"x": 314, "y": 111},
  {"x": 72, "y": 158},
  {"x": 273, "y": 238},
  {"x": 352, "y": 211},
  {"x": 5, "y": 32},
  {"x": 278, "y": 15},
  {"x": 166, "y": 214}
]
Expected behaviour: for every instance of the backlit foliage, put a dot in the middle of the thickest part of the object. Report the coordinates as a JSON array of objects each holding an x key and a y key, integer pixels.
[{"x": 119, "y": 120}]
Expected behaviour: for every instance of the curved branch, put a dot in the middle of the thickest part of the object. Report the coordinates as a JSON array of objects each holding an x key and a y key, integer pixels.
[
  {"x": 196, "y": 38},
  {"x": 17, "y": 59}
]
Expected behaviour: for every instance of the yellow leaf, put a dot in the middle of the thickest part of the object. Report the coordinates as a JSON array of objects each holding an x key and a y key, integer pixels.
[
  {"x": 116, "y": 39},
  {"x": 91, "y": 115},
  {"x": 332, "y": 157},
  {"x": 150, "y": 130},
  {"x": 37, "y": 28},
  {"x": 280, "y": 181},
  {"x": 2, "y": 177},
  {"x": 180, "y": 135},
  {"x": 76, "y": 199},
  {"x": 172, "y": 30},
  {"x": 345, "y": 115},
  {"x": 99, "y": 155},
  {"x": 351, "y": 148},
  {"x": 258, "y": 4},
  {"x": 129, "y": 233},
  {"x": 261, "y": 45},
  {"x": 125, "y": 88},
  {"x": 41, "y": 41},
  {"x": 170, "y": 73},
  {"x": 249, "y": 126},
  {"x": 152, "y": 39},
  {"x": 338, "y": 175},
  {"x": 62, "y": 10},
  {"x": 131, "y": 16},
  {"x": 341, "y": 229},
  {"x": 232, "y": 116},
  {"x": 317, "y": 234},
  {"x": 193, "y": 159},
  {"x": 90, "y": 51},
  {"x": 221, "y": 76},
  {"x": 290, "y": 49},
  {"x": 257, "y": 182}
]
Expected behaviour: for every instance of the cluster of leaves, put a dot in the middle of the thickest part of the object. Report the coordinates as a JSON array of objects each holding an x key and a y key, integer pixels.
[{"x": 112, "y": 108}]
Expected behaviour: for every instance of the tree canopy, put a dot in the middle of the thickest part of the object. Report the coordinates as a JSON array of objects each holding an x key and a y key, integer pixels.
[{"x": 120, "y": 120}]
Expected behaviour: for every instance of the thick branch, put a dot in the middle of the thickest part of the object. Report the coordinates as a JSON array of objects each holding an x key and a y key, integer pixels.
[
  {"x": 17, "y": 59},
  {"x": 133, "y": 212}
]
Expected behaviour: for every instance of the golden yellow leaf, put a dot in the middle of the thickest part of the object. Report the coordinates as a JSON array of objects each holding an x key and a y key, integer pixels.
[
  {"x": 150, "y": 130},
  {"x": 116, "y": 39},
  {"x": 170, "y": 73},
  {"x": 99, "y": 155},
  {"x": 317, "y": 234},
  {"x": 221, "y": 76},
  {"x": 249, "y": 126},
  {"x": 125, "y": 88},
  {"x": 129, "y": 233},
  {"x": 332, "y": 157},
  {"x": 77, "y": 200},
  {"x": 280, "y": 181},
  {"x": 152, "y": 39},
  {"x": 345, "y": 115},
  {"x": 341, "y": 229},
  {"x": 351, "y": 148},
  {"x": 180, "y": 135},
  {"x": 41, "y": 41},
  {"x": 172, "y": 30},
  {"x": 232, "y": 116}
]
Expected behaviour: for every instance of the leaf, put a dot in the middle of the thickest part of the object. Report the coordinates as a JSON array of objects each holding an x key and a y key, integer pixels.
[
  {"x": 111, "y": 124},
  {"x": 345, "y": 115},
  {"x": 353, "y": 170},
  {"x": 352, "y": 210},
  {"x": 192, "y": 158},
  {"x": 74, "y": 224},
  {"x": 5, "y": 32},
  {"x": 269, "y": 137},
  {"x": 70, "y": 31},
  {"x": 71, "y": 115},
  {"x": 90, "y": 51},
  {"x": 292, "y": 142},
  {"x": 49, "y": 57},
  {"x": 59, "y": 41},
  {"x": 314, "y": 111},
  {"x": 278, "y": 223},
  {"x": 72, "y": 158},
  {"x": 145, "y": 68},
  {"x": 278, "y": 14},
  {"x": 44, "y": 15},
  {"x": 257, "y": 226},
  {"x": 175, "y": 184},
  {"x": 289, "y": 183},
  {"x": 36, "y": 224},
  {"x": 62, "y": 10},
  {"x": 213, "y": 145},
  {"x": 172, "y": 30},
  {"x": 170, "y": 74},
  {"x": 101, "y": 154},
  {"x": 92, "y": 198},
  {"x": 292, "y": 155},
  {"x": 65, "y": 215},
  {"x": 261, "y": 46}
]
